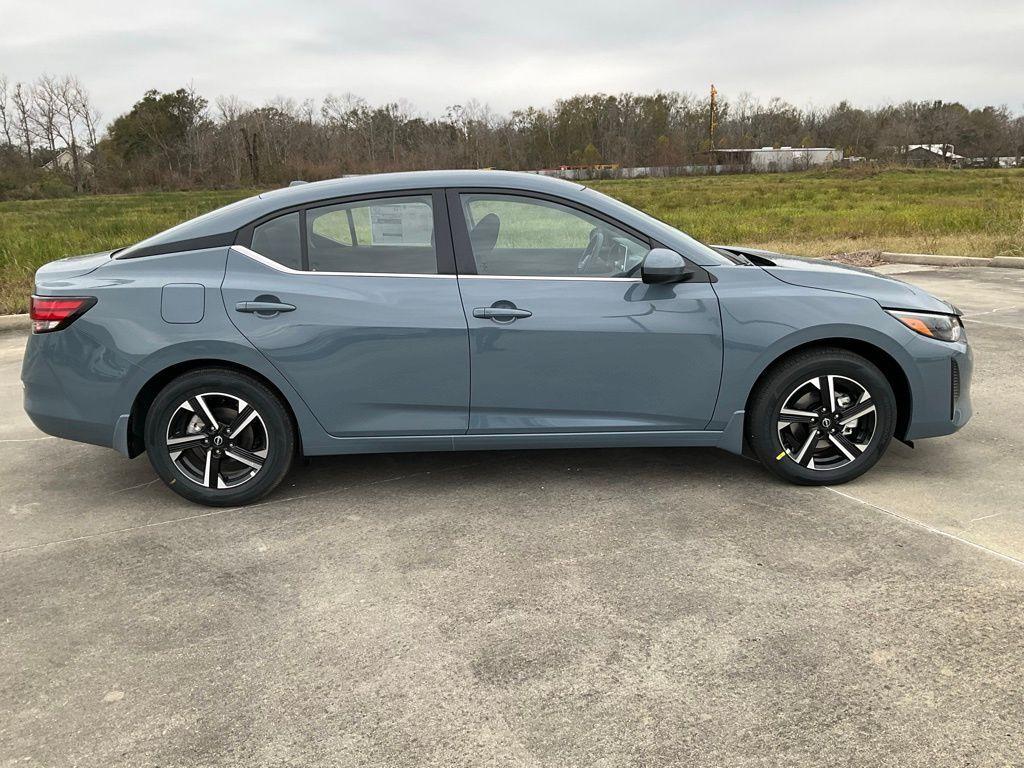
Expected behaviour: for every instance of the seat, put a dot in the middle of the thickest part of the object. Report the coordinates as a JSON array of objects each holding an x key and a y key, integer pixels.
[{"x": 484, "y": 236}]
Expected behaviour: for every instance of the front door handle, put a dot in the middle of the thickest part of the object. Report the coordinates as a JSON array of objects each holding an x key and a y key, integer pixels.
[
  {"x": 501, "y": 314},
  {"x": 264, "y": 307}
]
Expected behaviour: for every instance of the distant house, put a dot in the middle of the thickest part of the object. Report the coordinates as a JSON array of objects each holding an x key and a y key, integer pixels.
[
  {"x": 932, "y": 155},
  {"x": 779, "y": 158},
  {"x": 65, "y": 161}
]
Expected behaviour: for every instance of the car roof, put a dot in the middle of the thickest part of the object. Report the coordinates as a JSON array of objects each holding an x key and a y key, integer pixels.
[{"x": 380, "y": 182}]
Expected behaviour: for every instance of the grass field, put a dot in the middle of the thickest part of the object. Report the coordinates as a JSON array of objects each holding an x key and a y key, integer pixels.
[
  {"x": 33, "y": 232},
  {"x": 960, "y": 213},
  {"x": 963, "y": 213}
]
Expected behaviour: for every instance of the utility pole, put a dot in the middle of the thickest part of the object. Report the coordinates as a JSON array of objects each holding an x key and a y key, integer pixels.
[{"x": 713, "y": 118}]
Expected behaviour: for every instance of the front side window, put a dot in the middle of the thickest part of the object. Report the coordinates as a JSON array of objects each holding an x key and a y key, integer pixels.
[
  {"x": 278, "y": 239},
  {"x": 388, "y": 235},
  {"x": 522, "y": 236}
]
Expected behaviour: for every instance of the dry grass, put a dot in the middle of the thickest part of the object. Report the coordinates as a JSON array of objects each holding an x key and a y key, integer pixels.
[{"x": 984, "y": 245}]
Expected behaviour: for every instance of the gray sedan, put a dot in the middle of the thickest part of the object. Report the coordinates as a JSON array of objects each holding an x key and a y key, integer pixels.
[{"x": 469, "y": 310}]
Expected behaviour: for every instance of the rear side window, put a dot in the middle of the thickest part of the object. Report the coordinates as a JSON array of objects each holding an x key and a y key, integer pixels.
[
  {"x": 278, "y": 239},
  {"x": 386, "y": 236}
]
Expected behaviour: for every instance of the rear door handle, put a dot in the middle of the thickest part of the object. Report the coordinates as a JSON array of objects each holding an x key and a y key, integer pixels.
[
  {"x": 501, "y": 314},
  {"x": 264, "y": 307}
]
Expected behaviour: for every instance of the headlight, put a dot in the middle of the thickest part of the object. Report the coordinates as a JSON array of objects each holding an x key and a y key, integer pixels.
[{"x": 942, "y": 327}]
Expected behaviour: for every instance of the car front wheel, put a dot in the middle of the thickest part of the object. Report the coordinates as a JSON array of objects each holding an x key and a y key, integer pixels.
[
  {"x": 219, "y": 437},
  {"x": 822, "y": 417}
]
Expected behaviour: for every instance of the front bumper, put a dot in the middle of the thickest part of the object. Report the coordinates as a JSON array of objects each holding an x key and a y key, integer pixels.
[{"x": 942, "y": 397}]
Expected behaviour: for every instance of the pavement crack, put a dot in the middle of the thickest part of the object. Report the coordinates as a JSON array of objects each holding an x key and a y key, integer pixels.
[
  {"x": 930, "y": 528},
  {"x": 133, "y": 487},
  {"x": 985, "y": 517},
  {"x": 973, "y": 520}
]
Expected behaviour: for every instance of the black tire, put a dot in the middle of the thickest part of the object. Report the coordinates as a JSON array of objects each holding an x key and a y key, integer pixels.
[
  {"x": 768, "y": 431},
  {"x": 266, "y": 442}
]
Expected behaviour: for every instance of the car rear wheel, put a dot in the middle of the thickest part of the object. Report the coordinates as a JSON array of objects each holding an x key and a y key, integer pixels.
[
  {"x": 822, "y": 417},
  {"x": 219, "y": 437}
]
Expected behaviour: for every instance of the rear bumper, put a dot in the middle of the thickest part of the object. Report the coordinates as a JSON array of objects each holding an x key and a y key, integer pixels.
[
  {"x": 61, "y": 425},
  {"x": 67, "y": 396}
]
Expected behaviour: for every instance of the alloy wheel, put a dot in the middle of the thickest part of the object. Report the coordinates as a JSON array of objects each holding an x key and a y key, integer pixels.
[
  {"x": 217, "y": 440},
  {"x": 827, "y": 422}
]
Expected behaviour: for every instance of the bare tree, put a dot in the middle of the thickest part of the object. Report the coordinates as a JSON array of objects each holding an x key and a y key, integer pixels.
[
  {"x": 62, "y": 116},
  {"x": 69, "y": 98},
  {"x": 91, "y": 118},
  {"x": 43, "y": 116},
  {"x": 22, "y": 101},
  {"x": 229, "y": 108},
  {"x": 5, "y": 118},
  {"x": 230, "y": 142}
]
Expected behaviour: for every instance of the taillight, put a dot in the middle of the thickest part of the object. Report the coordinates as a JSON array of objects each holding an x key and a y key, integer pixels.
[{"x": 52, "y": 313}]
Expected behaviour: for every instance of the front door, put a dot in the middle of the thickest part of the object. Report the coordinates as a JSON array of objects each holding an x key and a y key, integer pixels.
[
  {"x": 564, "y": 337},
  {"x": 357, "y": 305}
]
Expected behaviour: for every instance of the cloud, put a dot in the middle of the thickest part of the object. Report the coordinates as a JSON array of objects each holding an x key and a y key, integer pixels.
[{"x": 522, "y": 53}]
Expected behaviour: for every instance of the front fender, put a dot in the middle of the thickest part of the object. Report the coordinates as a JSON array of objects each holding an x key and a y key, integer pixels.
[{"x": 761, "y": 322}]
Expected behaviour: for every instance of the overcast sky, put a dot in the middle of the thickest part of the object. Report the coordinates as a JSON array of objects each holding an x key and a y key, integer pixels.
[{"x": 512, "y": 53}]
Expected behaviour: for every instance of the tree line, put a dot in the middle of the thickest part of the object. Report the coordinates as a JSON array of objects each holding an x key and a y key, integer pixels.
[{"x": 53, "y": 141}]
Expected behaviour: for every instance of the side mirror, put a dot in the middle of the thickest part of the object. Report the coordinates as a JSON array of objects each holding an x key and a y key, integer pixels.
[{"x": 664, "y": 266}]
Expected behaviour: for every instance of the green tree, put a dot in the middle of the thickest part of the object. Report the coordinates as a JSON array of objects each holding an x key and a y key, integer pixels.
[
  {"x": 159, "y": 125},
  {"x": 590, "y": 155}
]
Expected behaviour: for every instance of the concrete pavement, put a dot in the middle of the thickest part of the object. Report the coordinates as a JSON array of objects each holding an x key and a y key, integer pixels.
[{"x": 617, "y": 607}]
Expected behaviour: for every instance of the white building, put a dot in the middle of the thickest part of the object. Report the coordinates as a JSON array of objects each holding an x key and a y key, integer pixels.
[
  {"x": 932, "y": 154},
  {"x": 779, "y": 158},
  {"x": 65, "y": 161}
]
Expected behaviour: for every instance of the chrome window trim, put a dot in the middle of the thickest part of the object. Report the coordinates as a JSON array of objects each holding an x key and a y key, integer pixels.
[
  {"x": 259, "y": 257},
  {"x": 552, "y": 277}
]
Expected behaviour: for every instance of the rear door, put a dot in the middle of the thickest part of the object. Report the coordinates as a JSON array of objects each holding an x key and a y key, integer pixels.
[
  {"x": 564, "y": 336},
  {"x": 357, "y": 304}
]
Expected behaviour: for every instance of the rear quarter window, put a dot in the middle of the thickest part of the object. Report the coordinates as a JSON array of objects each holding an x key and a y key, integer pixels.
[{"x": 279, "y": 240}]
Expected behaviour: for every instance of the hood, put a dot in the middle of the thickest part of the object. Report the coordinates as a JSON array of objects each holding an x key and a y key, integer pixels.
[
  {"x": 830, "y": 276},
  {"x": 56, "y": 273}
]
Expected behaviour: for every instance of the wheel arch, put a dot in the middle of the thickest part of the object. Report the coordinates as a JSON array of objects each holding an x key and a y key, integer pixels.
[
  {"x": 147, "y": 394},
  {"x": 885, "y": 362}
]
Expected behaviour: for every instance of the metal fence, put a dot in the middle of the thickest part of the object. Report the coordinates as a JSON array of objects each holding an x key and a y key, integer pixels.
[{"x": 641, "y": 172}]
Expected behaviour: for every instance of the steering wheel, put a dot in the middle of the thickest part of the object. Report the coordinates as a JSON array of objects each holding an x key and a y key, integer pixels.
[{"x": 593, "y": 248}]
